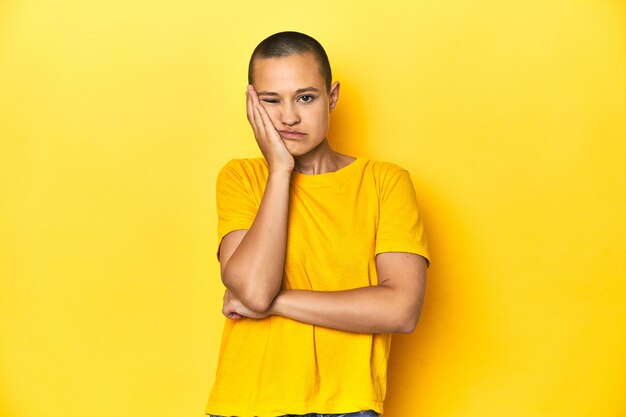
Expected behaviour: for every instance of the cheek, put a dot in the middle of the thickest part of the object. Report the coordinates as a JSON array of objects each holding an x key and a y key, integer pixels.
[{"x": 321, "y": 118}]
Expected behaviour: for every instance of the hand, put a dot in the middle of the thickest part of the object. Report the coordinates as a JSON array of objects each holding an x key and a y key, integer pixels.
[
  {"x": 235, "y": 310},
  {"x": 267, "y": 137}
]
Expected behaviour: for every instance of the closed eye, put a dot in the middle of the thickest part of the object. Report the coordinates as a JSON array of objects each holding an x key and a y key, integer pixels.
[{"x": 270, "y": 100}]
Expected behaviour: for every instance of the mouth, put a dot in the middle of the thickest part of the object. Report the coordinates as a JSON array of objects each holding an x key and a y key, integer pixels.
[{"x": 291, "y": 134}]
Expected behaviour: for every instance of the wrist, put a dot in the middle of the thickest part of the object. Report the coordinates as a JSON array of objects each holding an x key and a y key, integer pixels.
[
  {"x": 276, "y": 306},
  {"x": 280, "y": 167},
  {"x": 280, "y": 174}
]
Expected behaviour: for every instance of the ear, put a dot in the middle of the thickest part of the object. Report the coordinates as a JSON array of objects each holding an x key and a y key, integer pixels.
[{"x": 333, "y": 95}]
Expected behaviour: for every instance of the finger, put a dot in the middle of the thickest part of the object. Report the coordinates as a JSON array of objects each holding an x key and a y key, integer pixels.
[
  {"x": 248, "y": 106},
  {"x": 258, "y": 121},
  {"x": 265, "y": 118},
  {"x": 256, "y": 104},
  {"x": 250, "y": 114},
  {"x": 253, "y": 95},
  {"x": 230, "y": 313}
]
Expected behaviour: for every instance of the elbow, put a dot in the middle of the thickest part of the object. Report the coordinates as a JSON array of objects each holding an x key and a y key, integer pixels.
[
  {"x": 406, "y": 326},
  {"x": 407, "y": 322},
  {"x": 258, "y": 302},
  {"x": 255, "y": 290},
  {"x": 256, "y": 298},
  {"x": 408, "y": 315}
]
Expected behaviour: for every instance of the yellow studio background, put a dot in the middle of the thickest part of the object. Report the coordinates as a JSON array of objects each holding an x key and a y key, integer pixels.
[{"x": 116, "y": 116}]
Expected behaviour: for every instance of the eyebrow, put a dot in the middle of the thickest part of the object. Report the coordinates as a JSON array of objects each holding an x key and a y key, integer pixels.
[{"x": 298, "y": 91}]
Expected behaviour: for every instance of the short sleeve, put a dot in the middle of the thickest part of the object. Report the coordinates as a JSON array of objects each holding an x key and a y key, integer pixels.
[
  {"x": 236, "y": 207},
  {"x": 400, "y": 227}
]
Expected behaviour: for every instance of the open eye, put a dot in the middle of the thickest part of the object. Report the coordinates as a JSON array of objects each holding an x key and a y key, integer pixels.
[{"x": 306, "y": 98}]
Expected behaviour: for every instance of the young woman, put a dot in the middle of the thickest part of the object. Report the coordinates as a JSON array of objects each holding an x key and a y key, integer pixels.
[{"x": 323, "y": 255}]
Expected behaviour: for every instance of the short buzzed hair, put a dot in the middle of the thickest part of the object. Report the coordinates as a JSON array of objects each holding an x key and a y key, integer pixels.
[{"x": 284, "y": 44}]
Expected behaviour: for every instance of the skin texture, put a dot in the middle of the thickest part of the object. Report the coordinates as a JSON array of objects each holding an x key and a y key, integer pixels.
[{"x": 288, "y": 108}]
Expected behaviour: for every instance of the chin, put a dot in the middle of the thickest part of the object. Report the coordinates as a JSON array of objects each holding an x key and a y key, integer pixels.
[{"x": 297, "y": 149}]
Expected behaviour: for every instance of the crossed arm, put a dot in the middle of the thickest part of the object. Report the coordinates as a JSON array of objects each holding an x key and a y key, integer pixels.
[
  {"x": 252, "y": 263},
  {"x": 394, "y": 305}
]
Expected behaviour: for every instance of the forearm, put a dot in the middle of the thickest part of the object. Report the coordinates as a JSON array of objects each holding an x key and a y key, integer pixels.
[
  {"x": 255, "y": 269},
  {"x": 375, "y": 309}
]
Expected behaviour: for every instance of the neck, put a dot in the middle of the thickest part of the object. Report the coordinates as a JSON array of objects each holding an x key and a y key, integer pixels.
[{"x": 321, "y": 160}]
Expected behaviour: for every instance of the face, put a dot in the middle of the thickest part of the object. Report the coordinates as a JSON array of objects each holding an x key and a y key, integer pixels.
[{"x": 293, "y": 91}]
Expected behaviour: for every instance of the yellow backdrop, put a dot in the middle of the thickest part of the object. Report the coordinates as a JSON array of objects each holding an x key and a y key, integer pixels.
[{"x": 115, "y": 117}]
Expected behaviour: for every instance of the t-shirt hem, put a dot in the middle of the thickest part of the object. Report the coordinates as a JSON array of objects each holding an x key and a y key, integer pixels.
[
  {"x": 409, "y": 249},
  {"x": 227, "y": 409},
  {"x": 231, "y": 228}
]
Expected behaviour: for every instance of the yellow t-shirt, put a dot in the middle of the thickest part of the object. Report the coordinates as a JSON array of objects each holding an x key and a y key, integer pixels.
[{"x": 338, "y": 222}]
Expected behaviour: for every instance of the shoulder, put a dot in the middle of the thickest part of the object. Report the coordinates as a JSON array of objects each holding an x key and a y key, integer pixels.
[
  {"x": 384, "y": 171},
  {"x": 245, "y": 164},
  {"x": 243, "y": 168}
]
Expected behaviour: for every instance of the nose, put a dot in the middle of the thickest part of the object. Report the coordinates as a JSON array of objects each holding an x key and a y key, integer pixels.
[{"x": 289, "y": 115}]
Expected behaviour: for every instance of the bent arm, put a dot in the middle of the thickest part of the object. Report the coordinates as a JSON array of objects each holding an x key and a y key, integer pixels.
[
  {"x": 393, "y": 306},
  {"x": 252, "y": 261}
]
